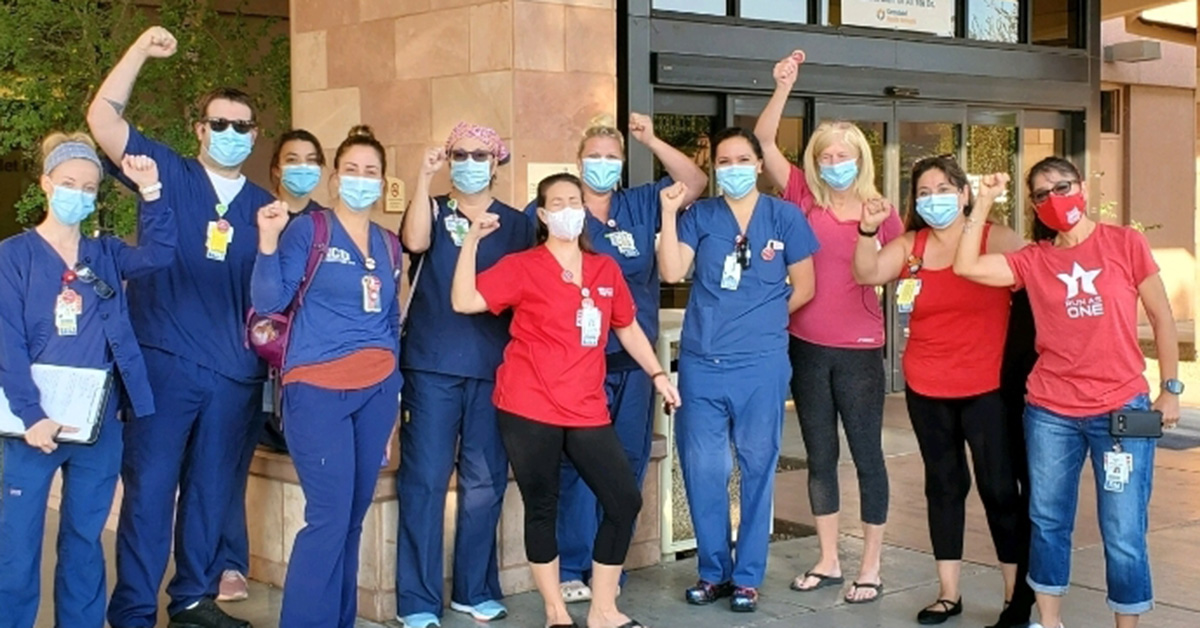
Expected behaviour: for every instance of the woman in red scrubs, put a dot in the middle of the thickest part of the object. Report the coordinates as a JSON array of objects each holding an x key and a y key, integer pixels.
[{"x": 550, "y": 388}]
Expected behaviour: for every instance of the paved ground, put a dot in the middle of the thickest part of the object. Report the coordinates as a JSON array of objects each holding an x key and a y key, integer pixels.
[{"x": 654, "y": 595}]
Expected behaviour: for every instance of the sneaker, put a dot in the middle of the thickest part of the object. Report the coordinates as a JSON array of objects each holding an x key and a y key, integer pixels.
[
  {"x": 490, "y": 610},
  {"x": 745, "y": 600},
  {"x": 419, "y": 620},
  {"x": 576, "y": 591},
  {"x": 706, "y": 592},
  {"x": 233, "y": 587},
  {"x": 206, "y": 614}
]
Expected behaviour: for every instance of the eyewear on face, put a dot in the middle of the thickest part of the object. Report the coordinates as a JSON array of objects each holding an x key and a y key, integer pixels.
[
  {"x": 220, "y": 124},
  {"x": 475, "y": 155},
  {"x": 742, "y": 250},
  {"x": 84, "y": 273},
  {"x": 1062, "y": 188}
]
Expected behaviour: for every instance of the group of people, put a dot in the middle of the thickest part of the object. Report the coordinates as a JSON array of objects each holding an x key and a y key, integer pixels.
[{"x": 528, "y": 344}]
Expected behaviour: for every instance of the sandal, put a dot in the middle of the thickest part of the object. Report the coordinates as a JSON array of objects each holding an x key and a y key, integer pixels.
[
  {"x": 822, "y": 581},
  {"x": 932, "y": 615},
  {"x": 575, "y": 591},
  {"x": 878, "y": 588}
]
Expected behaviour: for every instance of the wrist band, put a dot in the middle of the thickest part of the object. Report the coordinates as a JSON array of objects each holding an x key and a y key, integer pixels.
[
  {"x": 656, "y": 375},
  {"x": 867, "y": 234},
  {"x": 150, "y": 189}
]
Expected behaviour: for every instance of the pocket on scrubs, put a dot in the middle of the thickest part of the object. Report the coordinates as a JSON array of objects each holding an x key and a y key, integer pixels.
[{"x": 706, "y": 329}]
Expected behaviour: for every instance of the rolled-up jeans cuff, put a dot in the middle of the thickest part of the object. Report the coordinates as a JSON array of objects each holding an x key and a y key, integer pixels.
[
  {"x": 1047, "y": 590},
  {"x": 1137, "y": 608}
]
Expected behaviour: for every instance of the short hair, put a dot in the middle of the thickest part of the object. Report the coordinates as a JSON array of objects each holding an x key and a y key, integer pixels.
[{"x": 223, "y": 93}]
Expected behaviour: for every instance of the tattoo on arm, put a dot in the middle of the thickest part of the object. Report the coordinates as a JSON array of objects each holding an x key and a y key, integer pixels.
[{"x": 119, "y": 107}]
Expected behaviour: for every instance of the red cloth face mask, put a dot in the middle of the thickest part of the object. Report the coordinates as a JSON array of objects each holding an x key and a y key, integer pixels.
[{"x": 1060, "y": 213}]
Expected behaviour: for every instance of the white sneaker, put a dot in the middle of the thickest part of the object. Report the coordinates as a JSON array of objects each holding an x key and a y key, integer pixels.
[{"x": 575, "y": 591}]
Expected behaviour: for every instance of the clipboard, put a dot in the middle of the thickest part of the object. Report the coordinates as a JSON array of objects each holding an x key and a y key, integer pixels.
[{"x": 72, "y": 396}]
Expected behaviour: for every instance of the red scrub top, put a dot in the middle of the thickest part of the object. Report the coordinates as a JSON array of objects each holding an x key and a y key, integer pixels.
[{"x": 548, "y": 375}]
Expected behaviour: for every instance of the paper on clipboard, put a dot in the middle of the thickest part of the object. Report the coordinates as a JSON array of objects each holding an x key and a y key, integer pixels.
[{"x": 72, "y": 396}]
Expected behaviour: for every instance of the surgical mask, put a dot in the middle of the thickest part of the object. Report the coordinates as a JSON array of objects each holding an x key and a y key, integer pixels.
[
  {"x": 359, "y": 193},
  {"x": 840, "y": 176},
  {"x": 737, "y": 181},
  {"x": 229, "y": 148},
  {"x": 938, "y": 210},
  {"x": 566, "y": 223},
  {"x": 471, "y": 176},
  {"x": 602, "y": 174},
  {"x": 1060, "y": 213},
  {"x": 301, "y": 179},
  {"x": 71, "y": 206}
]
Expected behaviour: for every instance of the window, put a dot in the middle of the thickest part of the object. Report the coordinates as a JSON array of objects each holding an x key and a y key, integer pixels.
[
  {"x": 1055, "y": 23},
  {"x": 794, "y": 11},
  {"x": 707, "y": 7},
  {"x": 994, "y": 20},
  {"x": 1110, "y": 111}
]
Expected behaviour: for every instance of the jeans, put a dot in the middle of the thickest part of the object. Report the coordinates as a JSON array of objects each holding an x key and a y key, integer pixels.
[{"x": 1058, "y": 446}]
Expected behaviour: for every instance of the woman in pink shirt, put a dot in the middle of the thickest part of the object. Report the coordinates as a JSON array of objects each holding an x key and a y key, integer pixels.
[
  {"x": 837, "y": 338},
  {"x": 1084, "y": 281}
]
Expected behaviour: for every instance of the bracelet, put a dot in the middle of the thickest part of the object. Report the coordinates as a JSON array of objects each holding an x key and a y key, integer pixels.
[
  {"x": 656, "y": 375},
  {"x": 150, "y": 197},
  {"x": 150, "y": 189},
  {"x": 867, "y": 234}
]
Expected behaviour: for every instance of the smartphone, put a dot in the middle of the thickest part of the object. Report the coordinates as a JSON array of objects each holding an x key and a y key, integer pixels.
[{"x": 1136, "y": 424}]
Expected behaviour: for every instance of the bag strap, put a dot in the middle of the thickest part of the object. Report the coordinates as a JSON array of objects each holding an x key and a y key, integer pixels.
[{"x": 320, "y": 245}]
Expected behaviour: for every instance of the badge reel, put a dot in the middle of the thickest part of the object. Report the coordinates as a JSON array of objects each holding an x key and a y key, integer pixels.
[
  {"x": 372, "y": 301},
  {"x": 589, "y": 321},
  {"x": 67, "y": 308}
]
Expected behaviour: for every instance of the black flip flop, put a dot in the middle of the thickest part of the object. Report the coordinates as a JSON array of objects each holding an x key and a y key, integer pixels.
[
  {"x": 633, "y": 623},
  {"x": 856, "y": 585},
  {"x": 822, "y": 582}
]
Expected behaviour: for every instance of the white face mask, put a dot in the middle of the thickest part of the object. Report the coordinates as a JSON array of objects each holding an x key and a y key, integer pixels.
[{"x": 566, "y": 223}]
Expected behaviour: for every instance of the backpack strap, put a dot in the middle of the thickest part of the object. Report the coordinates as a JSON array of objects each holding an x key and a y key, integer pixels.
[{"x": 322, "y": 234}]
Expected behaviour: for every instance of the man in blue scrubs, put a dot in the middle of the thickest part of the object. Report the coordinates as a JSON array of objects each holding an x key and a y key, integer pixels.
[{"x": 189, "y": 320}]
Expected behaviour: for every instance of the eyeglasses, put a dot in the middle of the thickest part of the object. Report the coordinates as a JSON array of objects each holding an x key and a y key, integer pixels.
[
  {"x": 84, "y": 273},
  {"x": 475, "y": 155},
  {"x": 942, "y": 157},
  {"x": 220, "y": 124},
  {"x": 1062, "y": 188},
  {"x": 741, "y": 249}
]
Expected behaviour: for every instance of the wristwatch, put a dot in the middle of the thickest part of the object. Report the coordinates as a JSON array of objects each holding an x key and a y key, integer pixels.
[{"x": 1173, "y": 386}]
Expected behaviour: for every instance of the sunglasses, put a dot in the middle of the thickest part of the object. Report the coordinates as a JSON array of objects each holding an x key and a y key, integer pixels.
[
  {"x": 84, "y": 273},
  {"x": 220, "y": 124},
  {"x": 1062, "y": 188},
  {"x": 475, "y": 155},
  {"x": 935, "y": 158},
  {"x": 741, "y": 249}
]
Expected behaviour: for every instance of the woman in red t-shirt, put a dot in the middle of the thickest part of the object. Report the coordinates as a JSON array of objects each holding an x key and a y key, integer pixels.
[
  {"x": 953, "y": 381},
  {"x": 550, "y": 387},
  {"x": 1084, "y": 281}
]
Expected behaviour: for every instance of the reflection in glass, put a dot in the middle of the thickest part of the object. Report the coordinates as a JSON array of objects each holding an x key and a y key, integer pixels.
[
  {"x": 690, "y": 134},
  {"x": 707, "y": 7},
  {"x": 992, "y": 149},
  {"x": 790, "y": 140},
  {"x": 795, "y": 11},
  {"x": 1055, "y": 23},
  {"x": 1040, "y": 144},
  {"x": 994, "y": 20}
]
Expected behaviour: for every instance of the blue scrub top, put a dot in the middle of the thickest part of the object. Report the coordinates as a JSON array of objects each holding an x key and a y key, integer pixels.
[
  {"x": 751, "y": 320},
  {"x": 436, "y": 338},
  {"x": 332, "y": 322},
  {"x": 197, "y": 308},
  {"x": 31, "y": 279},
  {"x": 636, "y": 212}
]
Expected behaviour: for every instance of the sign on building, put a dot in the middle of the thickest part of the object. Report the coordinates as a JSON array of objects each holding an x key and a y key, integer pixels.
[{"x": 923, "y": 16}]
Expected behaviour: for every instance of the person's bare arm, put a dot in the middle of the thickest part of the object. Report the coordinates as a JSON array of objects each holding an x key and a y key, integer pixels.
[
  {"x": 106, "y": 114},
  {"x": 767, "y": 128}
]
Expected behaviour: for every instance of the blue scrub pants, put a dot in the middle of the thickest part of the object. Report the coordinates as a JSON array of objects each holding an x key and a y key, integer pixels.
[
  {"x": 89, "y": 481},
  {"x": 337, "y": 439},
  {"x": 235, "y": 541},
  {"x": 451, "y": 426},
  {"x": 192, "y": 444},
  {"x": 631, "y": 406},
  {"x": 742, "y": 399}
]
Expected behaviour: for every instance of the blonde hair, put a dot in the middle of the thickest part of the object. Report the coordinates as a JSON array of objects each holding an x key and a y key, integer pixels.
[
  {"x": 826, "y": 135},
  {"x": 603, "y": 125},
  {"x": 84, "y": 148}
]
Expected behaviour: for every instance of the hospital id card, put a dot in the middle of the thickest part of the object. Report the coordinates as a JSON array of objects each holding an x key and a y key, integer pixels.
[
  {"x": 906, "y": 294},
  {"x": 589, "y": 327},
  {"x": 220, "y": 235},
  {"x": 732, "y": 275}
]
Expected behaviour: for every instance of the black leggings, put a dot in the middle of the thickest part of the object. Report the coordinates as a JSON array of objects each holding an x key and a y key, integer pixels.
[
  {"x": 535, "y": 451},
  {"x": 941, "y": 427},
  {"x": 828, "y": 383}
]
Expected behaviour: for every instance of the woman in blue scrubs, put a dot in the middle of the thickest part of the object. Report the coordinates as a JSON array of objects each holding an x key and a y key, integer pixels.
[
  {"x": 62, "y": 302},
  {"x": 733, "y": 363},
  {"x": 296, "y": 169},
  {"x": 449, "y": 367},
  {"x": 341, "y": 384},
  {"x": 622, "y": 224}
]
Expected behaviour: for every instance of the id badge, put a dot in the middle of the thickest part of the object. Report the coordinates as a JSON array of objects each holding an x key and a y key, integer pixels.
[
  {"x": 372, "y": 303},
  {"x": 457, "y": 227},
  {"x": 589, "y": 327},
  {"x": 906, "y": 294},
  {"x": 624, "y": 243},
  {"x": 1117, "y": 468},
  {"x": 732, "y": 275},
  {"x": 220, "y": 235},
  {"x": 67, "y": 309}
]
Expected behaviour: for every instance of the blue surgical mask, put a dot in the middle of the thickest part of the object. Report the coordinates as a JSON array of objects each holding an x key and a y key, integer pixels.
[
  {"x": 737, "y": 181},
  {"x": 938, "y": 210},
  {"x": 471, "y": 176},
  {"x": 229, "y": 148},
  {"x": 360, "y": 193},
  {"x": 602, "y": 174},
  {"x": 301, "y": 179},
  {"x": 71, "y": 206},
  {"x": 840, "y": 176}
]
